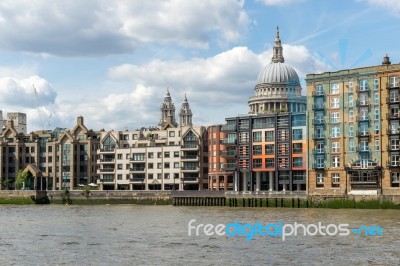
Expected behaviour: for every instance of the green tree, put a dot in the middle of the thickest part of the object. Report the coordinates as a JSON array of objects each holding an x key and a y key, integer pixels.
[{"x": 21, "y": 178}]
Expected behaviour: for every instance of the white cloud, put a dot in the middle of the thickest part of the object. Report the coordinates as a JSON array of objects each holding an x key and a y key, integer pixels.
[
  {"x": 279, "y": 2},
  {"x": 393, "y": 6},
  {"x": 100, "y": 27}
]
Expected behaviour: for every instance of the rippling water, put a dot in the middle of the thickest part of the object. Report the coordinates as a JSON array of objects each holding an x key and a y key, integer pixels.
[{"x": 158, "y": 235}]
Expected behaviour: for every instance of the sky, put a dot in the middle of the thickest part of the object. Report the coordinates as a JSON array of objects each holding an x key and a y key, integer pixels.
[{"x": 112, "y": 61}]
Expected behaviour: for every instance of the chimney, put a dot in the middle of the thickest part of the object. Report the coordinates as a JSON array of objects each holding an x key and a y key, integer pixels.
[{"x": 386, "y": 60}]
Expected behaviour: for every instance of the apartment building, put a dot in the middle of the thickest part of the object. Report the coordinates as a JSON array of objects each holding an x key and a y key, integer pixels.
[{"x": 354, "y": 130}]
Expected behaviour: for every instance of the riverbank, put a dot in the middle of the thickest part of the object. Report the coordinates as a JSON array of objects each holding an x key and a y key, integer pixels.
[{"x": 199, "y": 198}]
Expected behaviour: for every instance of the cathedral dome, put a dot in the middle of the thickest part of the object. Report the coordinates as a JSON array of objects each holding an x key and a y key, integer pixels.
[{"x": 278, "y": 72}]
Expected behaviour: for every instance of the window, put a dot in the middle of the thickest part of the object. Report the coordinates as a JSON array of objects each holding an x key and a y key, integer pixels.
[
  {"x": 335, "y": 180},
  {"x": 166, "y": 175},
  {"x": 150, "y": 166},
  {"x": 351, "y": 130},
  {"x": 257, "y": 136},
  {"x": 395, "y": 179},
  {"x": 119, "y": 177},
  {"x": 376, "y": 144},
  {"x": 334, "y": 102},
  {"x": 159, "y": 154},
  {"x": 172, "y": 134},
  {"x": 119, "y": 156},
  {"x": 269, "y": 149},
  {"x": 127, "y": 166},
  {"x": 335, "y": 132},
  {"x": 335, "y": 117},
  {"x": 335, "y": 161},
  {"x": 297, "y": 148},
  {"x": 119, "y": 166},
  {"x": 335, "y": 88},
  {"x": 159, "y": 165},
  {"x": 376, "y": 84},
  {"x": 394, "y": 82},
  {"x": 166, "y": 154},
  {"x": 150, "y": 176},
  {"x": 351, "y": 115},
  {"x": 351, "y": 145},
  {"x": 126, "y": 137},
  {"x": 138, "y": 156},
  {"x": 176, "y": 154},
  {"x": 150, "y": 155},
  {"x": 320, "y": 162},
  {"x": 319, "y": 117},
  {"x": 166, "y": 165},
  {"x": 269, "y": 163},
  {"x": 394, "y": 144},
  {"x": 176, "y": 165},
  {"x": 335, "y": 146},
  {"x": 134, "y": 136},
  {"x": 351, "y": 86},
  {"x": 394, "y": 96},
  {"x": 351, "y": 101},
  {"x": 257, "y": 163},
  {"x": 158, "y": 176},
  {"x": 257, "y": 150},
  {"x": 376, "y": 114},
  {"x": 320, "y": 180},
  {"x": 269, "y": 136},
  {"x": 320, "y": 147},
  {"x": 297, "y": 134},
  {"x": 297, "y": 161},
  {"x": 363, "y": 85},
  {"x": 319, "y": 89},
  {"x": 394, "y": 159},
  {"x": 376, "y": 98},
  {"x": 376, "y": 127}
]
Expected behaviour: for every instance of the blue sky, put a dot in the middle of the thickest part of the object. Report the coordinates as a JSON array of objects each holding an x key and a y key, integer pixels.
[{"x": 111, "y": 61}]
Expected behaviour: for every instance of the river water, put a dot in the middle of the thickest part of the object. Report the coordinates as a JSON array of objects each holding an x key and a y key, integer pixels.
[{"x": 158, "y": 235}]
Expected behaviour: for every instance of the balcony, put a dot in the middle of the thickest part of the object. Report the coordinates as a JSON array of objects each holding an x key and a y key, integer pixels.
[
  {"x": 106, "y": 160},
  {"x": 228, "y": 154},
  {"x": 360, "y": 89},
  {"x": 363, "y": 134},
  {"x": 318, "y": 122},
  {"x": 319, "y": 152},
  {"x": 190, "y": 158},
  {"x": 318, "y": 107},
  {"x": 318, "y": 136},
  {"x": 392, "y": 100},
  {"x": 393, "y": 131},
  {"x": 190, "y": 179},
  {"x": 137, "y": 169},
  {"x": 318, "y": 166},
  {"x": 393, "y": 147},
  {"x": 318, "y": 94},
  {"x": 363, "y": 118},
  {"x": 229, "y": 141},
  {"x": 363, "y": 150},
  {"x": 190, "y": 168},
  {"x": 227, "y": 128},
  {"x": 189, "y": 146},
  {"x": 228, "y": 166},
  {"x": 107, "y": 150},
  {"x": 394, "y": 85},
  {"x": 393, "y": 164},
  {"x": 137, "y": 180},
  {"x": 107, "y": 170},
  {"x": 394, "y": 116},
  {"x": 362, "y": 103}
]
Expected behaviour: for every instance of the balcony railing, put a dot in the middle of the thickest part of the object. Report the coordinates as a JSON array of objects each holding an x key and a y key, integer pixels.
[
  {"x": 363, "y": 134},
  {"x": 363, "y": 149},
  {"x": 393, "y": 147},
  {"x": 137, "y": 179},
  {"x": 228, "y": 153},
  {"x": 190, "y": 168},
  {"x": 189, "y": 146},
  {"x": 107, "y": 160},
  {"x": 392, "y": 131},
  {"x": 228, "y": 166},
  {"x": 391, "y": 100},
  {"x": 319, "y": 152},
  {"x": 392, "y": 163},
  {"x": 107, "y": 150},
  {"x": 363, "y": 118},
  {"x": 107, "y": 170},
  {"x": 362, "y": 103},
  {"x": 190, "y": 178},
  {"x": 189, "y": 157},
  {"x": 229, "y": 141},
  {"x": 360, "y": 89},
  {"x": 317, "y": 107},
  {"x": 318, "y": 94},
  {"x": 393, "y": 116},
  {"x": 137, "y": 169},
  {"x": 318, "y": 166},
  {"x": 318, "y": 122},
  {"x": 318, "y": 136},
  {"x": 228, "y": 128}
]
